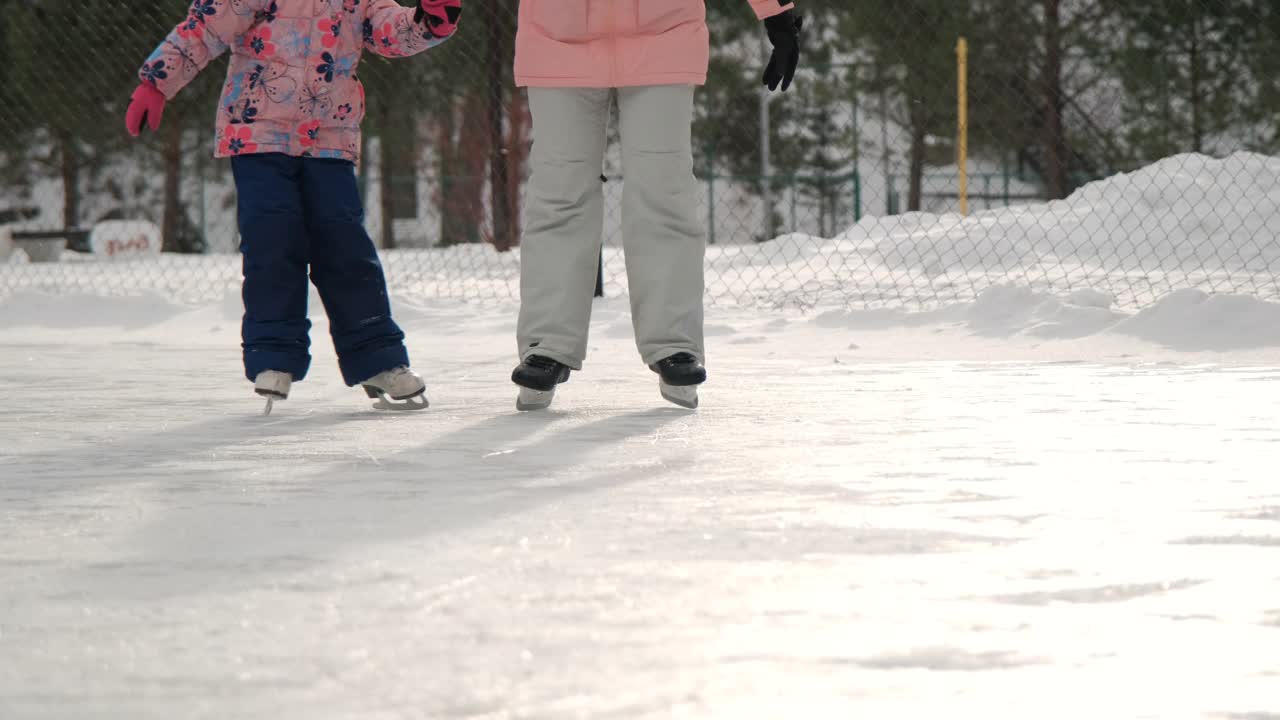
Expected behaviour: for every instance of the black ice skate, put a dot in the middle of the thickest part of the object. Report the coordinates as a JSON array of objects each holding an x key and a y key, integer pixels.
[
  {"x": 681, "y": 375},
  {"x": 538, "y": 377}
]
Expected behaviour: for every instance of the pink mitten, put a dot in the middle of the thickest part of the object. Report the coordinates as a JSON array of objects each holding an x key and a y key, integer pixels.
[
  {"x": 146, "y": 106},
  {"x": 441, "y": 16}
]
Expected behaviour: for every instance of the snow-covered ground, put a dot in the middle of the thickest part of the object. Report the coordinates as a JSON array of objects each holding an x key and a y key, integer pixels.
[{"x": 1019, "y": 507}]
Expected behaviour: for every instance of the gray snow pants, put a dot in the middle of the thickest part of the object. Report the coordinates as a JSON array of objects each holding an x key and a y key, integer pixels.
[{"x": 663, "y": 236}]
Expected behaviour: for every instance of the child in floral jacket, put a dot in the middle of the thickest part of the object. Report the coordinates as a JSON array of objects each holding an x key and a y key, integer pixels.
[{"x": 289, "y": 119}]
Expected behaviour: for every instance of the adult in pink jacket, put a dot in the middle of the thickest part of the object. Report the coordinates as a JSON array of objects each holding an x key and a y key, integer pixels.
[{"x": 576, "y": 56}]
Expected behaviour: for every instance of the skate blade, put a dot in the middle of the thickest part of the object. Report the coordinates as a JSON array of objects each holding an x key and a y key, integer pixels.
[
  {"x": 415, "y": 403},
  {"x": 272, "y": 398},
  {"x": 685, "y": 397},
  {"x": 534, "y": 399}
]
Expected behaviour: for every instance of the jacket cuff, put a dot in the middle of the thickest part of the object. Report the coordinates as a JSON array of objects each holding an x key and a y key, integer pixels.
[
  {"x": 769, "y": 8},
  {"x": 164, "y": 90}
]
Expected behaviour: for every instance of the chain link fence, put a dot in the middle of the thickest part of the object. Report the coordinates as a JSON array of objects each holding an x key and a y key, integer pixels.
[{"x": 1131, "y": 151}]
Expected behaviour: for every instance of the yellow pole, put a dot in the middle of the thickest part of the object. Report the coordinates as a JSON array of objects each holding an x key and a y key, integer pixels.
[{"x": 962, "y": 114}]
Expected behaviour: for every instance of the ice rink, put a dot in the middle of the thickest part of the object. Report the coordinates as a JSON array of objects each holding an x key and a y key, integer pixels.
[{"x": 869, "y": 517}]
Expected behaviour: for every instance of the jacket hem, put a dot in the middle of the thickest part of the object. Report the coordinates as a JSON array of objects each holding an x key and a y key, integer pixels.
[
  {"x": 291, "y": 151},
  {"x": 639, "y": 81}
]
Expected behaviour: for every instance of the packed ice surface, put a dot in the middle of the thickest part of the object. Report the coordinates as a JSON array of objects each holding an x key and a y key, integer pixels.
[
  {"x": 1026, "y": 506},
  {"x": 1038, "y": 498}
]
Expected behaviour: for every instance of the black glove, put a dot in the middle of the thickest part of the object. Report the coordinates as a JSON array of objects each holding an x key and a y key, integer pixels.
[{"x": 784, "y": 35}]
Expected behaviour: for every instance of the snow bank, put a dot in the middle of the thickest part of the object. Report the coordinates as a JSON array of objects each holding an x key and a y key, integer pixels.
[
  {"x": 1187, "y": 222},
  {"x": 1187, "y": 320},
  {"x": 37, "y": 309},
  {"x": 1183, "y": 212},
  {"x": 1183, "y": 321},
  {"x": 1193, "y": 320},
  {"x": 469, "y": 271}
]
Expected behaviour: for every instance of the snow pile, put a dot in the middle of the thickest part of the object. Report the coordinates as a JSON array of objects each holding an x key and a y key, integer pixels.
[
  {"x": 1008, "y": 310},
  {"x": 1192, "y": 320},
  {"x": 1186, "y": 212},
  {"x": 1188, "y": 221},
  {"x": 1187, "y": 320}
]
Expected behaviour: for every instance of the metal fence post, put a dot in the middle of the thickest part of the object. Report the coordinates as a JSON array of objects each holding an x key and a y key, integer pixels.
[
  {"x": 857, "y": 196},
  {"x": 711, "y": 195},
  {"x": 600, "y": 265},
  {"x": 204, "y": 220},
  {"x": 600, "y": 274}
]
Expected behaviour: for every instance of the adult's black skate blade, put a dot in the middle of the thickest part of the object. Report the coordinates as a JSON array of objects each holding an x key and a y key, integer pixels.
[
  {"x": 686, "y": 396},
  {"x": 530, "y": 400}
]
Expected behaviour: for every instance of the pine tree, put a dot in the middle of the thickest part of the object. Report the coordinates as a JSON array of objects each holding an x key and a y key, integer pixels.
[{"x": 1184, "y": 65}]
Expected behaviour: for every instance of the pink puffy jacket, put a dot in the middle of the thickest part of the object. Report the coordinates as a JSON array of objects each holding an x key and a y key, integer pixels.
[
  {"x": 617, "y": 43},
  {"x": 292, "y": 84}
]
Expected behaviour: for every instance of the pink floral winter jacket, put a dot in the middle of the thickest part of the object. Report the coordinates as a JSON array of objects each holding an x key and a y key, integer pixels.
[
  {"x": 617, "y": 43},
  {"x": 292, "y": 86}
]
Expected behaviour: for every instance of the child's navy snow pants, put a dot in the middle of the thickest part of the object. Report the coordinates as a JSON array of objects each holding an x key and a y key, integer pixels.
[{"x": 297, "y": 213}]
